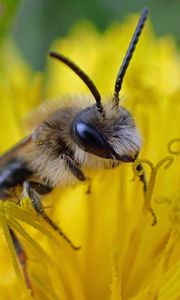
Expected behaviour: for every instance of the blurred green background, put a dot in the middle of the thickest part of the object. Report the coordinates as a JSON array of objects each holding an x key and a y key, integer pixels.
[{"x": 34, "y": 24}]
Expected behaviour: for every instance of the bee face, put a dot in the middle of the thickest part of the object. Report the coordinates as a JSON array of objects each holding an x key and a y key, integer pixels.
[
  {"x": 113, "y": 137},
  {"x": 107, "y": 132}
]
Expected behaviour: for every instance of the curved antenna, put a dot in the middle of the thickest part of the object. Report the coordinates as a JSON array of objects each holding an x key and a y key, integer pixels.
[
  {"x": 84, "y": 78},
  {"x": 128, "y": 56}
]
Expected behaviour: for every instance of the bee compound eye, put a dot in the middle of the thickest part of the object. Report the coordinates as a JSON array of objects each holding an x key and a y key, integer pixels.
[{"x": 90, "y": 139}]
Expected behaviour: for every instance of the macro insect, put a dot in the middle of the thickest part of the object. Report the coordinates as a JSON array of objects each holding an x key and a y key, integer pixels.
[{"x": 69, "y": 135}]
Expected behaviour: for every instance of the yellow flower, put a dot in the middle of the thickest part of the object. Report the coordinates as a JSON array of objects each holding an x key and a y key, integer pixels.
[{"x": 123, "y": 256}]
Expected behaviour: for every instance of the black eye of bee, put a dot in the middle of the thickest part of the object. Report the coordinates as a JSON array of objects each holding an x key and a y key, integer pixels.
[{"x": 89, "y": 138}]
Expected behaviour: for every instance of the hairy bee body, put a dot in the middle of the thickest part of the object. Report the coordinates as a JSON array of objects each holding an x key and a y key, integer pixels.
[
  {"x": 12, "y": 174},
  {"x": 75, "y": 133},
  {"x": 52, "y": 138}
]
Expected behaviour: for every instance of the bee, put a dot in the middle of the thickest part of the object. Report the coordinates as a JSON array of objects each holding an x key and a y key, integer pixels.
[{"x": 69, "y": 135}]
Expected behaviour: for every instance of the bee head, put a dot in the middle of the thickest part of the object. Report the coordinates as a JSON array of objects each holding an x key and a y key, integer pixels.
[
  {"x": 114, "y": 137},
  {"x": 107, "y": 133}
]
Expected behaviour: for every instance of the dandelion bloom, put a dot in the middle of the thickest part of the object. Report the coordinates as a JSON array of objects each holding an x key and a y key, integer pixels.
[{"x": 122, "y": 256}]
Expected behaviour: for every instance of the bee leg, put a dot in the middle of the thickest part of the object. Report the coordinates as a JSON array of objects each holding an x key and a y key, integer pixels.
[
  {"x": 89, "y": 185},
  {"x": 22, "y": 257},
  {"x": 40, "y": 188},
  {"x": 76, "y": 171},
  {"x": 36, "y": 203},
  {"x": 73, "y": 167},
  {"x": 142, "y": 178}
]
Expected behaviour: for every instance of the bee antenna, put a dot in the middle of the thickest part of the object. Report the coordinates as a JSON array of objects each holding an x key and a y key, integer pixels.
[
  {"x": 84, "y": 78},
  {"x": 128, "y": 56}
]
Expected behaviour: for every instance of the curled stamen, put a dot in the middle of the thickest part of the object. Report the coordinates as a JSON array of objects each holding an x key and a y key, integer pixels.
[
  {"x": 140, "y": 173},
  {"x": 166, "y": 161},
  {"x": 171, "y": 144},
  {"x": 139, "y": 162}
]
